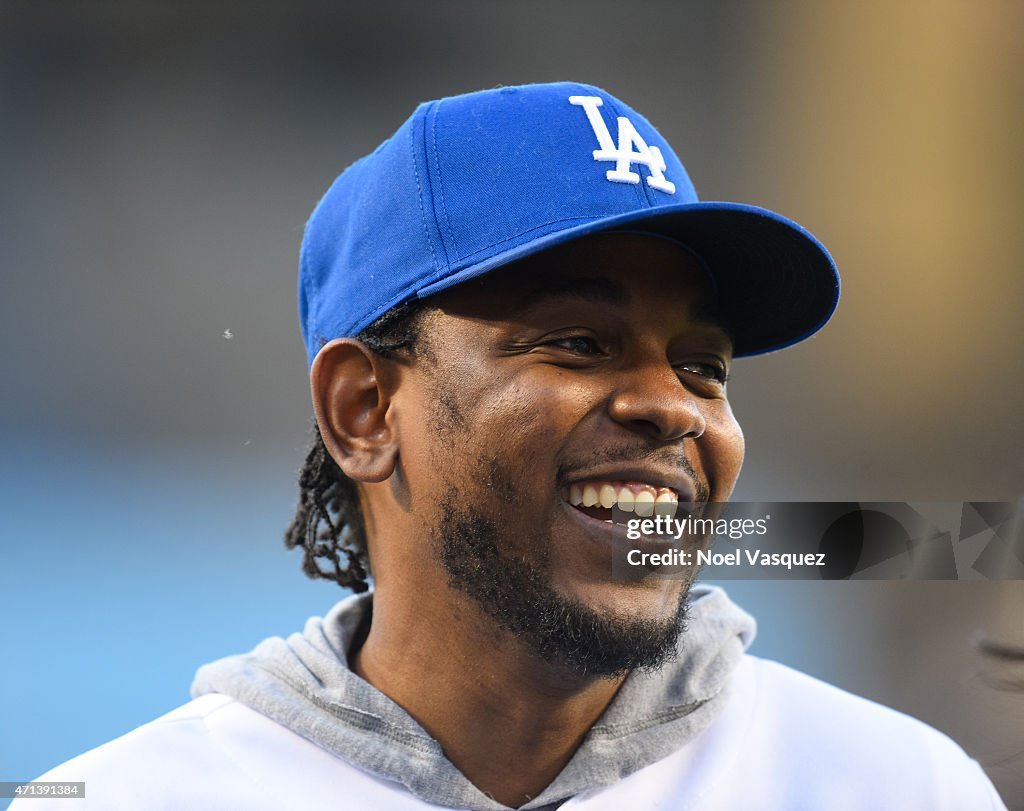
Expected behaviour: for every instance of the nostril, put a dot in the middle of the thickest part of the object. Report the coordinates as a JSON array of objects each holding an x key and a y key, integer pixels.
[{"x": 665, "y": 413}]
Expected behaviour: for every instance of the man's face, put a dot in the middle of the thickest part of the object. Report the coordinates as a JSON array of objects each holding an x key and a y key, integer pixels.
[{"x": 597, "y": 364}]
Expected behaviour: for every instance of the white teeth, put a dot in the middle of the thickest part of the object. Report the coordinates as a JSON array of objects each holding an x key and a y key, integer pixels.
[
  {"x": 666, "y": 504},
  {"x": 626, "y": 500},
  {"x": 643, "y": 500},
  {"x": 644, "y": 503}
]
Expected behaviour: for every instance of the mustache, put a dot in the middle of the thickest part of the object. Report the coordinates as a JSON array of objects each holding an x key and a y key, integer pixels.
[{"x": 661, "y": 456}]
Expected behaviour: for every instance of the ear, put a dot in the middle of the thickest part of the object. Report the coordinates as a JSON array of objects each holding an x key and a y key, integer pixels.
[{"x": 351, "y": 401}]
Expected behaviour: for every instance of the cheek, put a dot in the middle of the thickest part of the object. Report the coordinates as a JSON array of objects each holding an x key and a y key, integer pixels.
[
  {"x": 539, "y": 405},
  {"x": 518, "y": 423},
  {"x": 725, "y": 447},
  {"x": 525, "y": 425}
]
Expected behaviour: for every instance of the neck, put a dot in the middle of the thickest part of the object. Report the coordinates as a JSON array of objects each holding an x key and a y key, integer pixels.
[{"x": 486, "y": 697}]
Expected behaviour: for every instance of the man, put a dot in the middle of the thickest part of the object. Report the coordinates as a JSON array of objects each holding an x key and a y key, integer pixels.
[{"x": 520, "y": 323}]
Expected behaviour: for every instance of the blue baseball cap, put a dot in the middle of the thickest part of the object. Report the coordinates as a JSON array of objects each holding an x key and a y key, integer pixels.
[{"x": 471, "y": 183}]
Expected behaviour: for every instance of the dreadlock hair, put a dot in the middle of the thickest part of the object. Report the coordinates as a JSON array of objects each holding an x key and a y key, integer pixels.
[{"x": 328, "y": 522}]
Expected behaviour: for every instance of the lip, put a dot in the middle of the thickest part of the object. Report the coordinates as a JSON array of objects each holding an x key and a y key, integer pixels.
[
  {"x": 602, "y": 531},
  {"x": 656, "y": 477},
  {"x": 615, "y": 546},
  {"x": 612, "y": 534}
]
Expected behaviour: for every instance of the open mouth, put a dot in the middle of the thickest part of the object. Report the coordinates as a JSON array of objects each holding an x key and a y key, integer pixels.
[{"x": 616, "y": 502}]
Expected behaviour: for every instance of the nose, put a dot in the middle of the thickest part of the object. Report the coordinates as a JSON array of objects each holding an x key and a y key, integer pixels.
[{"x": 652, "y": 400}]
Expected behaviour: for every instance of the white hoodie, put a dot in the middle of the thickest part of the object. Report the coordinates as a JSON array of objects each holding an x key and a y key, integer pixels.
[{"x": 289, "y": 726}]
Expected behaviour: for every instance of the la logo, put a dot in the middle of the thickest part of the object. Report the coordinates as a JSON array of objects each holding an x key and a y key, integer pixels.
[{"x": 623, "y": 155}]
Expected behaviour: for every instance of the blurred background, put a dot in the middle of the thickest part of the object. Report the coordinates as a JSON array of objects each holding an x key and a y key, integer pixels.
[{"x": 158, "y": 161}]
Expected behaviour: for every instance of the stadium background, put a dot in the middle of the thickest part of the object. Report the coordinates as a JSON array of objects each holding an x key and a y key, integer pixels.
[{"x": 158, "y": 161}]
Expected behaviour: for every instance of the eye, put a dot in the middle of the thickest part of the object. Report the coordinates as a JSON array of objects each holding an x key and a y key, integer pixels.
[
  {"x": 580, "y": 344},
  {"x": 712, "y": 370}
]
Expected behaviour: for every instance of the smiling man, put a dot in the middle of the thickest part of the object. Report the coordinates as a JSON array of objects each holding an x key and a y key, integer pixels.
[{"x": 520, "y": 322}]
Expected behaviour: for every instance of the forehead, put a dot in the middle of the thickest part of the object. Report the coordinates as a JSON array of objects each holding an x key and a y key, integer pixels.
[{"x": 636, "y": 275}]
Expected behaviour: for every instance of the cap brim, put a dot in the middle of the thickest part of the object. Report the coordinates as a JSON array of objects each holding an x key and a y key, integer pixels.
[{"x": 777, "y": 285}]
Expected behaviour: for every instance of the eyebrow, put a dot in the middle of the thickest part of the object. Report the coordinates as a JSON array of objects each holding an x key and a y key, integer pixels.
[
  {"x": 602, "y": 291},
  {"x": 609, "y": 291}
]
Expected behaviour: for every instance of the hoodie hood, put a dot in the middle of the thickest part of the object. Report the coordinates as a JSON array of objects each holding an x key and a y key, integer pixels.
[{"x": 304, "y": 683}]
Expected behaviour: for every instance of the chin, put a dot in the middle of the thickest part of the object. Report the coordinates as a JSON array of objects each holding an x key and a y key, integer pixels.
[{"x": 650, "y": 600}]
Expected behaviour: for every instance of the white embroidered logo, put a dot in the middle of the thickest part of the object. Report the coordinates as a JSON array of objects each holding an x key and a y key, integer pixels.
[{"x": 624, "y": 156}]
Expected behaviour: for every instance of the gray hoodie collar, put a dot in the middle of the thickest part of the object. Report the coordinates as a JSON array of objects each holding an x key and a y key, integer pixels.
[{"x": 304, "y": 683}]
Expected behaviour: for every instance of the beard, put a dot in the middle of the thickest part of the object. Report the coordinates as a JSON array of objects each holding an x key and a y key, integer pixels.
[{"x": 519, "y": 596}]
